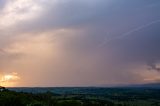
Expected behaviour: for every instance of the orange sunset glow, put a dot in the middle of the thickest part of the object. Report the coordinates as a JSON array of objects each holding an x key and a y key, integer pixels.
[{"x": 9, "y": 80}]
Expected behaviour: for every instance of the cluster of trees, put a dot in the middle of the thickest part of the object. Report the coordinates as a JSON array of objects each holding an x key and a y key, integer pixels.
[{"x": 11, "y": 98}]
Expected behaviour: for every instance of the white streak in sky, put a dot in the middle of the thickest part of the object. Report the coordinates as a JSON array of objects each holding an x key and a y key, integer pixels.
[{"x": 128, "y": 33}]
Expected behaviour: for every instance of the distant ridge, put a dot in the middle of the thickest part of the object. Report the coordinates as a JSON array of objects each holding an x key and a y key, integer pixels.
[
  {"x": 147, "y": 85},
  {"x": 155, "y": 85}
]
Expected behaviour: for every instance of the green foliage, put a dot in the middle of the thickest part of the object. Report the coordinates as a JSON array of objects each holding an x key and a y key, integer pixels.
[
  {"x": 69, "y": 103},
  {"x": 110, "y": 97}
]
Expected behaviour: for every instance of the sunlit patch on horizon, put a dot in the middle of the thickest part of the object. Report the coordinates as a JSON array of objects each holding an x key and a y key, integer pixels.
[{"x": 9, "y": 80}]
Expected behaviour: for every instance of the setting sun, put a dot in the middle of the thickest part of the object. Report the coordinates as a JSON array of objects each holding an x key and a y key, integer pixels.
[{"x": 9, "y": 80}]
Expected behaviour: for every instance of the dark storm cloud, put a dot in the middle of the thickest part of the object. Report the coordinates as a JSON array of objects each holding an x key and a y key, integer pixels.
[
  {"x": 142, "y": 46},
  {"x": 103, "y": 41},
  {"x": 106, "y": 14},
  {"x": 107, "y": 19}
]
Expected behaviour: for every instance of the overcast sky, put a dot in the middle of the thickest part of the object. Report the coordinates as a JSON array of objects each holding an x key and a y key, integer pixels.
[{"x": 79, "y": 42}]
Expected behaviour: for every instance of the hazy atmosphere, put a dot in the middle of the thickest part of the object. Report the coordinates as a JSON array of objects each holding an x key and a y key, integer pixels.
[{"x": 79, "y": 42}]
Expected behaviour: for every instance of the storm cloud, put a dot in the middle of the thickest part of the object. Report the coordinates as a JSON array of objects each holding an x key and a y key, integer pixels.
[{"x": 80, "y": 43}]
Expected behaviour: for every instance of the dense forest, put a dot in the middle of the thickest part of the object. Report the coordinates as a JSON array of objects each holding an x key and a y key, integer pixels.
[{"x": 85, "y": 97}]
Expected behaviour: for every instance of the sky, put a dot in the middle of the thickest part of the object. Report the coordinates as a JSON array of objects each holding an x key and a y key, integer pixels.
[{"x": 50, "y": 43}]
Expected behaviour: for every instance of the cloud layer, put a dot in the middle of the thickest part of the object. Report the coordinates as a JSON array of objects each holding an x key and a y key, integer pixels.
[{"x": 80, "y": 43}]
